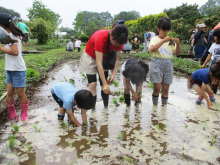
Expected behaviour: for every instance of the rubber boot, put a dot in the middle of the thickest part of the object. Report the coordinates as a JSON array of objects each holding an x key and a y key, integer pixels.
[
  {"x": 60, "y": 116},
  {"x": 164, "y": 100},
  {"x": 24, "y": 113},
  {"x": 198, "y": 101},
  {"x": 212, "y": 98},
  {"x": 105, "y": 98},
  {"x": 155, "y": 99},
  {"x": 11, "y": 110},
  {"x": 127, "y": 99},
  {"x": 94, "y": 102}
]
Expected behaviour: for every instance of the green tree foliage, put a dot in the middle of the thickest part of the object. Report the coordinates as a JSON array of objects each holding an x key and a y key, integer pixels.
[
  {"x": 210, "y": 7},
  {"x": 69, "y": 31},
  {"x": 39, "y": 10},
  {"x": 15, "y": 15},
  {"x": 41, "y": 30},
  {"x": 107, "y": 18},
  {"x": 127, "y": 15}
]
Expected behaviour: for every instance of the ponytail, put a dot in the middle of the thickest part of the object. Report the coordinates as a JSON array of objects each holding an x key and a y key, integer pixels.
[
  {"x": 119, "y": 32},
  {"x": 15, "y": 30},
  {"x": 215, "y": 69}
]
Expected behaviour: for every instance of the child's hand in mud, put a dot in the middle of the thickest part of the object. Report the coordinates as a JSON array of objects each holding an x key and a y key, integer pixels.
[
  {"x": 167, "y": 39},
  {"x": 135, "y": 96},
  {"x": 209, "y": 103},
  {"x": 106, "y": 89},
  {"x": 111, "y": 79}
]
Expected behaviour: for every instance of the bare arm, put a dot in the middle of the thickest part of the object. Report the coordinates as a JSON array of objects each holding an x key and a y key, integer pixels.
[
  {"x": 116, "y": 66},
  {"x": 72, "y": 118},
  {"x": 193, "y": 40},
  {"x": 207, "y": 60},
  {"x": 99, "y": 61},
  {"x": 84, "y": 116},
  {"x": 203, "y": 90},
  {"x": 13, "y": 51},
  {"x": 134, "y": 94},
  {"x": 177, "y": 41}
]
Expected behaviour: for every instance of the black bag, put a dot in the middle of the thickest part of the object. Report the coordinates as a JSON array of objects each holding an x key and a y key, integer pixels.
[{"x": 109, "y": 61}]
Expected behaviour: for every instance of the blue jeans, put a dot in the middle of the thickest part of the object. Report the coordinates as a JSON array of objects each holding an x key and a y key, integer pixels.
[
  {"x": 199, "y": 49},
  {"x": 16, "y": 78}
]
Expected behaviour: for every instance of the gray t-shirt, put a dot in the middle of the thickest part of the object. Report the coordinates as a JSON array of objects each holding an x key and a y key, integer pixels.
[{"x": 199, "y": 38}]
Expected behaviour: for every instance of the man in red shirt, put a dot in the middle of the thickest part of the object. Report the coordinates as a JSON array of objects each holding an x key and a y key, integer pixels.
[{"x": 102, "y": 54}]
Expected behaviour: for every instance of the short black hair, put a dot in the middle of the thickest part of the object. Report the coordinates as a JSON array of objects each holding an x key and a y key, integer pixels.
[
  {"x": 216, "y": 33},
  {"x": 84, "y": 99},
  {"x": 138, "y": 73},
  {"x": 164, "y": 24}
]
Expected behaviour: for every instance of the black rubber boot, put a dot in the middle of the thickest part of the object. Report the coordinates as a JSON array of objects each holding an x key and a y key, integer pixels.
[
  {"x": 155, "y": 99},
  {"x": 94, "y": 102},
  {"x": 105, "y": 98},
  {"x": 127, "y": 99},
  {"x": 164, "y": 100}
]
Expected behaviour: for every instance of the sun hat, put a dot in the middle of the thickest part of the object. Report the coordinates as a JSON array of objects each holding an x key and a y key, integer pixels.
[
  {"x": 5, "y": 18},
  {"x": 202, "y": 25}
]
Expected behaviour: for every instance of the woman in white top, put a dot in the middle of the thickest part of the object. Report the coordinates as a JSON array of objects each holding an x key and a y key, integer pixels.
[
  {"x": 15, "y": 68},
  {"x": 78, "y": 44}
]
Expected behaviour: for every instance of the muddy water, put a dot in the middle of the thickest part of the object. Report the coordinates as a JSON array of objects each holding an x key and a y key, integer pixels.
[{"x": 178, "y": 133}]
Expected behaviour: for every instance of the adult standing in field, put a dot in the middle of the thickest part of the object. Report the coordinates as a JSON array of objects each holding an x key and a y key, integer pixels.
[
  {"x": 101, "y": 55},
  {"x": 135, "y": 42},
  {"x": 199, "y": 41},
  {"x": 25, "y": 30},
  {"x": 146, "y": 40},
  {"x": 70, "y": 45},
  {"x": 78, "y": 44}
]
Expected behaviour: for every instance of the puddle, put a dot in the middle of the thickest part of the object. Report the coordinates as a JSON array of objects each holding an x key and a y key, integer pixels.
[{"x": 178, "y": 133}]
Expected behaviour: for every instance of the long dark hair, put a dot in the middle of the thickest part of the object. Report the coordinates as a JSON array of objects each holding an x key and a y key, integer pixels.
[
  {"x": 216, "y": 33},
  {"x": 119, "y": 32},
  {"x": 164, "y": 24},
  {"x": 215, "y": 70}
]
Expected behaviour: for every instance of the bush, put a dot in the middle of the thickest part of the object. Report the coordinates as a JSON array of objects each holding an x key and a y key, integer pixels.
[
  {"x": 84, "y": 38},
  {"x": 32, "y": 75}
]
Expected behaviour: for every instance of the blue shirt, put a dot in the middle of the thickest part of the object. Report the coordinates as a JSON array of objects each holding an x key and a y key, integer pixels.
[
  {"x": 145, "y": 37},
  {"x": 201, "y": 75},
  {"x": 65, "y": 92}
]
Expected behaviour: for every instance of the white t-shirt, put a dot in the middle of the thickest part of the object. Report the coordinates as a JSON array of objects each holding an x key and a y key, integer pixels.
[
  {"x": 14, "y": 63},
  {"x": 215, "y": 50},
  {"x": 78, "y": 43}
]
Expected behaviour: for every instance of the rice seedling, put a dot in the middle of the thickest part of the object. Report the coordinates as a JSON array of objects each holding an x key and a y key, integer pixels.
[
  {"x": 71, "y": 81},
  {"x": 65, "y": 79},
  {"x": 12, "y": 139},
  {"x": 158, "y": 127},
  {"x": 37, "y": 129},
  {"x": 164, "y": 128},
  {"x": 69, "y": 144},
  {"x": 115, "y": 101},
  {"x": 64, "y": 125},
  {"x": 122, "y": 99},
  {"x": 186, "y": 126},
  {"x": 151, "y": 85},
  {"x": 86, "y": 124},
  {"x": 213, "y": 141},
  {"x": 120, "y": 136},
  {"x": 90, "y": 140},
  {"x": 183, "y": 147},
  {"x": 83, "y": 74},
  {"x": 16, "y": 128},
  {"x": 27, "y": 146},
  {"x": 116, "y": 83},
  {"x": 128, "y": 159}
]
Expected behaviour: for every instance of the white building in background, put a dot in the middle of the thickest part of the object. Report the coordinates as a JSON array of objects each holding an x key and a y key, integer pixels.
[{"x": 60, "y": 34}]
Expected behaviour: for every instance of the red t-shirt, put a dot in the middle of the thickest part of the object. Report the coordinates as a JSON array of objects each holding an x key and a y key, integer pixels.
[{"x": 98, "y": 42}]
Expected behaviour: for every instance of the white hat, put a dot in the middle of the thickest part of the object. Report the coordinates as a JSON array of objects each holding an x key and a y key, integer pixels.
[
  {"x": 197, "y": 25},
  {"x": 202, "y": 25}
]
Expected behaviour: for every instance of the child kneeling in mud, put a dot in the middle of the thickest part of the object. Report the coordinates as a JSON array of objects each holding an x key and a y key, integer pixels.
[
  {"x": 199, "y": 82},
  {"x": 133, "y": 71},
  {"x": 67, "y": 96}
]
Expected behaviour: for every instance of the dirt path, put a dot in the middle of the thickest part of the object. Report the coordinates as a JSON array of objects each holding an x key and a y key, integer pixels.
[{"x": 178, "y": 133}]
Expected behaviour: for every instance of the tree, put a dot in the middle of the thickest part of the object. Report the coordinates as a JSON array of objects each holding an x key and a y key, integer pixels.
[
  {"x": 69, "y": 31},
  {"x": 210, "y": 7},
  {"x": 106, "y": 17},
  {"x": 39, "y": 10},
  {"x": 15, "y": 15},
  {"x": 184, "y": 11},
  {"x": 127, "y": 15}
]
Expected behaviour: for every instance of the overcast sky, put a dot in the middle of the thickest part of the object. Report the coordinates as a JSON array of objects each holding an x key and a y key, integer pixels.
[{"x": 68, "y": 9}]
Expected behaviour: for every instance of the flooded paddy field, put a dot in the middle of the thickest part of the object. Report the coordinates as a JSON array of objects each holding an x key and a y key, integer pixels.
[{"x": 179, "y": 133}]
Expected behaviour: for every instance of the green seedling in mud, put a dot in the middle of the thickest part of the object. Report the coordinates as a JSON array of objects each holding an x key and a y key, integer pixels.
[
  {"x": 116, "y": 83},
  {"x": 115, "y": 101},
  {"x": 12, "y": 139},
  {"x": 71, "y": 81},
  {"x": 64, "y": 125},
  {"x": 164, "y": 128},
  {"x": 213, "y": 141},
  {"x": 151, "y": 85},
  {"x": 117, "y": 92},
  {"x": 86, "y": 124},
  {"x": 127, "y": 117},
  {"x": 69, "y": 144},
  {"x": 186, "y": 126},
  {"x": 183, "y": 147},
  {"x": 36, "y": 128},
  {"x": 121, "y": 136},
  {"x": 122, "y": 99},
  {"x": 128, "y": 159},
  {"x": 65, "y": 79},
  {"x": 90, "y": 140},
  {"x": 158, "y": 127},
  {"x": 27, "y": 146},
  {"x": 16, "y": 128},
  {"x": 83, "y": 74}
]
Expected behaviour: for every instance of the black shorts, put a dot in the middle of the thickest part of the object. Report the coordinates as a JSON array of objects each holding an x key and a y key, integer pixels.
[
  {"x": 25, "y": 39},
  {"x": 135, "y": 46},
  {"x": 57, "y": 99},
  {"x": 92, "y": 78}
]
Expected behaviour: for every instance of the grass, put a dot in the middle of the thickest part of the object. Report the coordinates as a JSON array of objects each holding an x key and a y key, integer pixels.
[
  {"x": 12, "y": 139},
  {"x": 120, "y": 136},
  {"x": 116, "y": 83},
  {"x": 16, "y": 128},
  {"x": 115, "y": 101},
  {"x": 37, "y": 129}
]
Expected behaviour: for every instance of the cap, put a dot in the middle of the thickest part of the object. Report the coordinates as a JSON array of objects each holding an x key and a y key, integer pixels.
[
  {"x": 5, "y": 18},
  {"x": 194, "y": 31},
  {"x": 202, "y": 25}
]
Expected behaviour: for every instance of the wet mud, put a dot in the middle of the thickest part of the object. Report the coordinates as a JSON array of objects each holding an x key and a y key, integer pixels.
[{"x": 179, "y": 133}]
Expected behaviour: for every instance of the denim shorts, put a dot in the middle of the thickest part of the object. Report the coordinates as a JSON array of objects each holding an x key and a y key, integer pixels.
[{"x": 16, "y": 78}]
